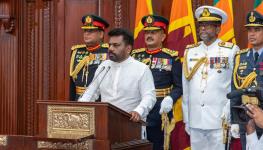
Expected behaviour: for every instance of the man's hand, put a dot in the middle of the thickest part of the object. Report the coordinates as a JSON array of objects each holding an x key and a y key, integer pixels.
[
  {"x": 256, "y": 114},
  {"x": 135, "y": 116},
  {"x": 234, "y": 129},
  {"x": 166, "y": 105}
]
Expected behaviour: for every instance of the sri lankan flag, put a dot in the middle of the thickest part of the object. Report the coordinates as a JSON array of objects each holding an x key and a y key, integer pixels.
[
  {"x": 258, "y": 5},
  {"x": 143, "y": 8},
  {"x": 181, "y": 30},
  {"x": 227, "y": 29}
]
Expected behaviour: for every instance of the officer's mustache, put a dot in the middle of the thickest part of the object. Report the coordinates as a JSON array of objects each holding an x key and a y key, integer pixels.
[{"x": 149, "y": 38}]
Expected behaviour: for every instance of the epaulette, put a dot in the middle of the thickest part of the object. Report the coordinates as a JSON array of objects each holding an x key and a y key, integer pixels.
[
  {"x": 74, "y": 47},
  {"x": 139, "y": 50},
  {"x": 105, "y": 45},
  {"x": 242, "y": 51},
  {"x": 226, "y": 44},
  {"x": 193, "y": 45},
  {"x": 173, "y": 53}
]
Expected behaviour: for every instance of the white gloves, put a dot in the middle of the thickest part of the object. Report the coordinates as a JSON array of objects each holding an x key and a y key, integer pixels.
[
  {"x": 235, "y": 130},
  {"x": 187, "y": 129},
  {"x": 226, "y": 112},
  {"x": 166, "y": 105}
]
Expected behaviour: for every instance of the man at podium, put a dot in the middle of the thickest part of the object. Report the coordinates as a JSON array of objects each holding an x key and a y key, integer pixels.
[{"x": 122, "y": 80}]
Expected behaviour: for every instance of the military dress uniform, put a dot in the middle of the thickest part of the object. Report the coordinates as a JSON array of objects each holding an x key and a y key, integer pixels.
[
  {"x": 85, "y": 60},
  {"x": 167, "y": 72},
  {"x": 207, "y": 71},
  {"x": 248, "y": 72},
  {"x": 166, "y": 69}
]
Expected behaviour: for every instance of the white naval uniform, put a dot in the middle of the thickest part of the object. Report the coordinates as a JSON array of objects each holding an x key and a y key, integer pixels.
[
  {"x": 205, "y": 97},
  {"x": 128, "y": 85}
]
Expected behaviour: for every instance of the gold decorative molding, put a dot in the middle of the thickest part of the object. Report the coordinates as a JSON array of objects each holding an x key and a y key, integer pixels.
[
  {"x": 84, "y": 145},
  {"x": 70, "y": 122},
  {"x": 3, "y": 140}
]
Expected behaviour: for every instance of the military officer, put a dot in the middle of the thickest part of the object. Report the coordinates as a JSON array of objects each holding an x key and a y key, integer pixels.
[
  {"x": 85, "y": 58},
  {"x": 166, "y": 69},
  {"x": 248, "y": 69},
  {"x": 207, "y": 70}
]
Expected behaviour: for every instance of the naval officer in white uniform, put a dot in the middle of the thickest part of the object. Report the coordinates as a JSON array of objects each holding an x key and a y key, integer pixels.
[{"x": 207, "y": 71}]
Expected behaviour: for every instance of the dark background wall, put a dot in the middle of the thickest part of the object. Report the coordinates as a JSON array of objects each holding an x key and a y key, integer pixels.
[{"x": 35, "y": 41}]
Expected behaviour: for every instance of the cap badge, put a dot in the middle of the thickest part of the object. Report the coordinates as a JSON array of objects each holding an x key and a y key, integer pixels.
[
  {"x": 206, "y": 12},
  {"x": 252, "y": 18},
  {"x": 88, "y": 20},
  {"x": 149, "y": 20}
]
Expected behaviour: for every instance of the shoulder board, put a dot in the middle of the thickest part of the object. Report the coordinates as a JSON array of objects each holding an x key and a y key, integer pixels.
[
  {"x": 226, "y": 44},
  {"x": 77, "y": 46},
  {"x": 173, "y": 53},
  {"x": 242, "y": 51},
  {"x": 139, "y": 50},
  {"x": 105, "y": 45},
  {"x": 193, "y": 45}
]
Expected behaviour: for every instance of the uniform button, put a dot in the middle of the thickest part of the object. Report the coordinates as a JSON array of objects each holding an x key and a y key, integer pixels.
[{"x": 203, "y": 105}]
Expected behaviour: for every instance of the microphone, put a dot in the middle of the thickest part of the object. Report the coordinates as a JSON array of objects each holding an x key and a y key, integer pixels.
[
  {"x": 95, "y": 78},
  {"x": 108, "y": 69}
]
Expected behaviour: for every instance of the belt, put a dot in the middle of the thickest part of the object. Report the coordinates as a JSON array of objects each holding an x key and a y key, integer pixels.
[
  {"x": 163, "y": 92},
  {"x": 80, "y": 90}
]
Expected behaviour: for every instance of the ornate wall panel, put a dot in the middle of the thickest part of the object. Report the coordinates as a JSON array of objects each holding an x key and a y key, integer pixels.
[
  {"x": 8, "y": 69},
  {"x": 27, "y": 68}
]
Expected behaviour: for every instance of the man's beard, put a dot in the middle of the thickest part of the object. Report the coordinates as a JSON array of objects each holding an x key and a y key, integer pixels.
[
  {"x": 113, "y": 57},
  {"x": 206, "y": 37}
]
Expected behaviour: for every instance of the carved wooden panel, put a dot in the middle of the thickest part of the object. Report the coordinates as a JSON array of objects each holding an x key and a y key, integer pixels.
[
  {"x": 7, "y": 12},
  {"x": 8, "y": 70}
]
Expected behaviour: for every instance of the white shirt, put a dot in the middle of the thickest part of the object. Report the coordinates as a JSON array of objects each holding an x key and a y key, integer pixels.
[
  {"x": 128, "y": 85},
  {"x": 253, "y": 143},
  {"x": 204, "y": 96}
]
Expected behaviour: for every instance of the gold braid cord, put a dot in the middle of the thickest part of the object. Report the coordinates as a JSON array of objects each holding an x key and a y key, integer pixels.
[
  {"x": 168, "y": 126},
  {"x": 188, "y": 75},
  {"x": 84, "y": 61},
  {"x": 246, "y": 80}
]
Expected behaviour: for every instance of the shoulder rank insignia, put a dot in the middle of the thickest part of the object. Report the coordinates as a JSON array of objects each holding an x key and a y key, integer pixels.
[
  {"x": 74, "y": 47},
  {"x": 242, "y": 51},
  {"x": 193, "y": 45},
  {"x": 139, "y": 50},
  {"x": 226, "y": 44},
  {"x": 173, "y": 53},
  {"x": 105, "y": 45}
]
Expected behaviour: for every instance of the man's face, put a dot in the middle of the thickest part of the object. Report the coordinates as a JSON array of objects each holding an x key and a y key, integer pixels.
[
  {"x": 208, "y": 31},
  {"x": 93, "y": 37},
  {"x": 154, "y": 38},
  {"x": 255, "y": 36},
  {"x": 118, "y": 50}
]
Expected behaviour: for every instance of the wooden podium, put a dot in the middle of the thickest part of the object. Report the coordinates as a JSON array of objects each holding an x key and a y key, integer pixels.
[{"x": 77, "y": 125}]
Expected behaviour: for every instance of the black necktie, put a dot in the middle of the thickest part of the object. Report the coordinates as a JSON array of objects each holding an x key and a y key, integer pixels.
[{"x": 256, "y": 56}]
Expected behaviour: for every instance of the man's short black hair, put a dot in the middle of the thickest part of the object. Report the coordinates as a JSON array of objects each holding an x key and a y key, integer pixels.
[{"x": 127, "y": 35}]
